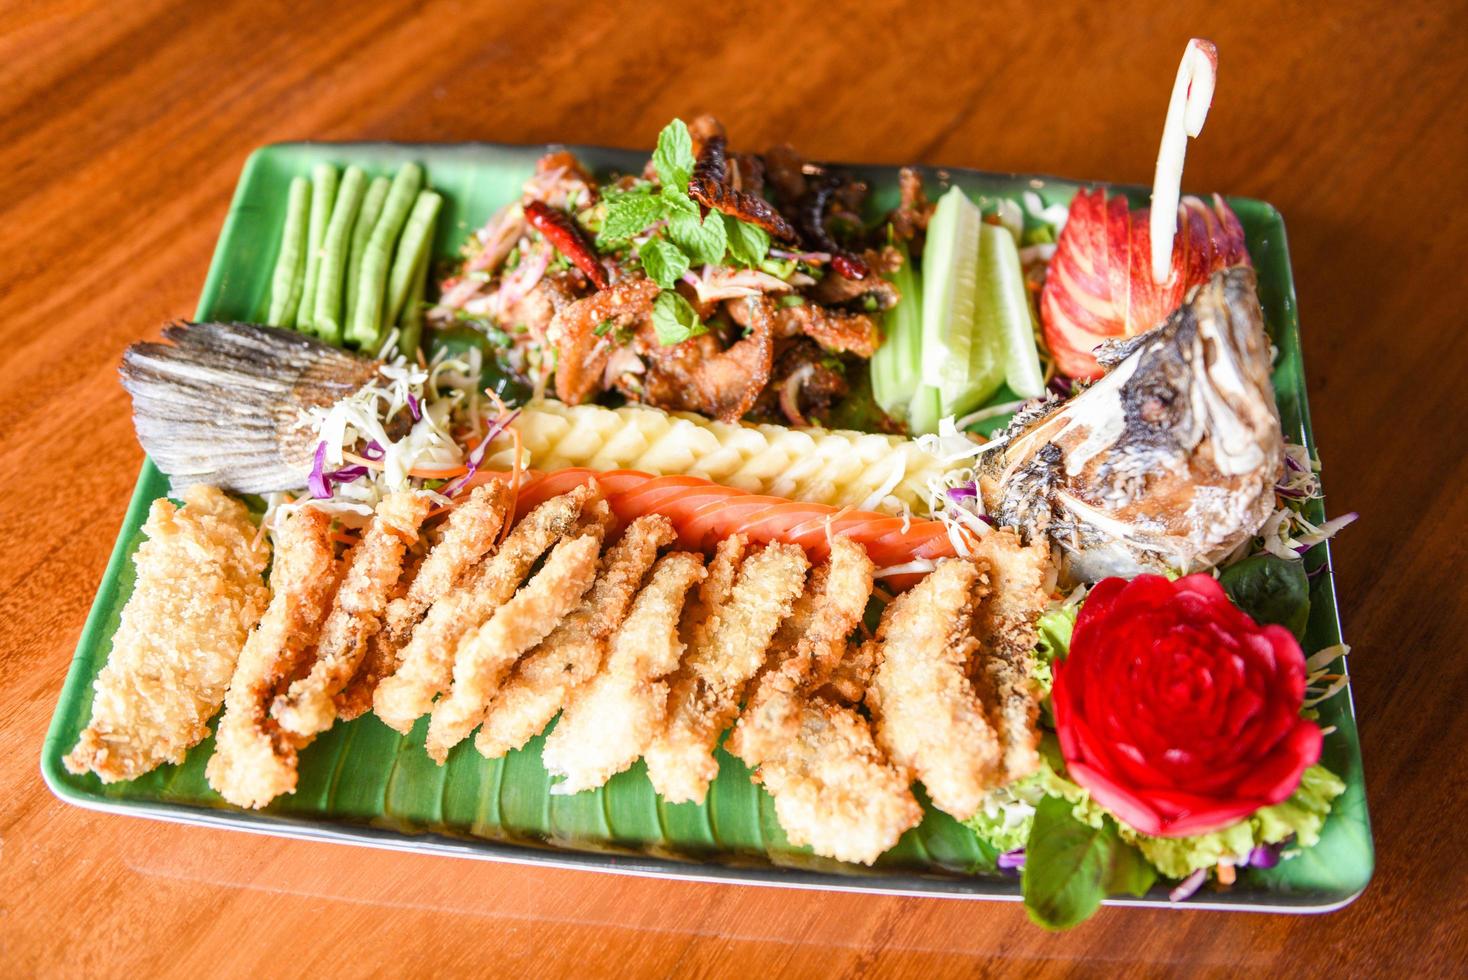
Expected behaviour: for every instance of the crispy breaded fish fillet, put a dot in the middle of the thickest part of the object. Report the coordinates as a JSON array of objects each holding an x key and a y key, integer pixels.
[
  {"x": 428, "y": 660},
  {"x": 833, "y": 788},
  {"x": 929, "y": 718},
  {"x": 835, "y": 791},
  {"x": 1020, "y": 579},
  {"x": 463, "y": 540},
  {"x": 576, "y": 649},
  {"x": 609, "y": 721},
  {"x": 729, "y": 649},
  {"x": 467, "y": 536},
  {"x": 373, "y": 567},
  {"x": 486, "y": 654},
  {"x": 824, "y": 616},
  {"x": 198, "y": 592},
  {"x": 254, "y": 761}
]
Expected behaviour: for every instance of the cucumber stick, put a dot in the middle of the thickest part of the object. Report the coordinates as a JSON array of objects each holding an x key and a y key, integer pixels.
[
  {"x": 897, "y": 365},
  {"x": 965, "y": 364},
  {"x": 323, "y": 196},
  {"x": 1004, "y": 312}
]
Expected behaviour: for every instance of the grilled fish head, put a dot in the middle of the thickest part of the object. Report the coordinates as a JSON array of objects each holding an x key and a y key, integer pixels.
[{"x": 1169, "y": 461}]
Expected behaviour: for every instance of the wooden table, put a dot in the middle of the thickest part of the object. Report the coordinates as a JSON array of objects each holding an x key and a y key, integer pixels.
[{"x": 123, "y": 128}]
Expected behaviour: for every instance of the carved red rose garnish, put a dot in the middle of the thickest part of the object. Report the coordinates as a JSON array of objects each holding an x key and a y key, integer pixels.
[{"x": 1176, "y": 710}]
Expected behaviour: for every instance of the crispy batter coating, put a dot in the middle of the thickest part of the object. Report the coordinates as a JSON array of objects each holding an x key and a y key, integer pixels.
[
  {"x": 428, "y": 660},
  {"x": 576, "y": 649},
  {"x": 929, "y": 718},
  {"x": 834, "y": 789},
  {"x": 467, "y": 536},
  {"x": 198, "y": 592},
  {"x": 485, "y": 655},
  {"x": 730, "y": 648},
  {"x": 374, "y": 565},
  {"x": 254, "y": 761},
  {"x": 1021, "y": 578},
  {"x": 609, "y": 721},
  {"x": 829, "y": 609}
]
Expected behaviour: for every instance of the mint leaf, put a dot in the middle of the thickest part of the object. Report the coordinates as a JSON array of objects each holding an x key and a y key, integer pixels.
[
  {"x": 704, "y": 241},
  {"x": 663, "y": 262},
  {"x": 1070, "y": 866},
  {"x": 748, "y": 243},
  {"x": 676, "y": 201},
  {"x": 628, "y": 216},
  {"x": 673, "y": 159},
  {"x": 674, "y": 319}
]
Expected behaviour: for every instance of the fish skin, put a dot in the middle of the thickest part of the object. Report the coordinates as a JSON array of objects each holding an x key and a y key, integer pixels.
[{"x": 1168, "y": 462}]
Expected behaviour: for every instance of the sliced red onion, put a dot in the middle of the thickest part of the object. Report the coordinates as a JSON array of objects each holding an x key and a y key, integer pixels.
[
  {"x": 1188, "y": 886},
  {"x": 813, "y": 258},
  {"x": 316, "y": 482},
  {"x": 1012, "y": 860},
  {"x": 1265, "y": 856},
  {"x": 414, "y": 407}
]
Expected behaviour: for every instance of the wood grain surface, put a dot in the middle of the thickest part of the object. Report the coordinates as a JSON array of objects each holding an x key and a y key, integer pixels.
[{"x": 123, "y": 127}]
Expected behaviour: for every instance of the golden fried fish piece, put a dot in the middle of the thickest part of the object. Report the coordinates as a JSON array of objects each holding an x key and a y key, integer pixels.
[{"x": 198, "y": 593}]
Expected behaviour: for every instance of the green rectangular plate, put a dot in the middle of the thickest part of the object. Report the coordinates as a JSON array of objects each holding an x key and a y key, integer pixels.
[{"x": 363, "y": 783}]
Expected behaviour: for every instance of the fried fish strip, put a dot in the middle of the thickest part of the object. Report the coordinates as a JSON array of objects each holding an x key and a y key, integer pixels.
[
  {"x": 428, "y": 660},
  {"x": 575, "y": 650},
  {"x": 730, "y": 649},
  {"x": 833, "y": 602},
  {"x": 198, "y": 592},
  {"x": 1021, "y": 578},
  {"x": 374, "y": 565},
  {"x": 834, "y": 789},
  {"x": 485, "y": 655},
  {"x": 929, "y": 718},
  {"x": 468, "y": 535},
  {"x": 254, "y": 761},
  {"x": 609, "y": 721}
]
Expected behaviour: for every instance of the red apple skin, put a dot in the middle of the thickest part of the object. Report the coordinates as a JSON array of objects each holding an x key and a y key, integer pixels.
[{"x": 1099, "y": 285}]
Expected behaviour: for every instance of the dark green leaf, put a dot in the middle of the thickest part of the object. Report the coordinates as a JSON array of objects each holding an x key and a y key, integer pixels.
[
  {"x": 628, "y": 216},
  {"x": 673, "y": 159},
  {"x": 663, "y": 261},
  {"x": 1071, "y": 866},
  {"x": 703, "y": 241},
  {"x": 674, "y": 318},
  {"x": 748, "y": 243},
  {"x": 1271, "y": 589}
]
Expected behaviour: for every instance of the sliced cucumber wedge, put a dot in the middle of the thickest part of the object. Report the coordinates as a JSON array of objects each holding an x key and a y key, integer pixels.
[
  {"x": 897, "y": 368},
  {"x": 1004, "y": 312},
  {"x": 964, "y": 364}
]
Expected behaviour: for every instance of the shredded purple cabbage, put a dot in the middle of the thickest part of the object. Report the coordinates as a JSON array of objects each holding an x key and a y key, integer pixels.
[
  {"x": 347, "y": 474},
  {"x": 1290, "y": 462},
  {"x": 476, "y": 456},
  {"x": 1188, "y": 886},
  {"x": 374, "y": 451},
  {"x": 1264, "y": 856},
  {"x": 316, "y": 482},
  {"x": 414, "y": 408},
  {"x": 1012, "y": 860},
  {"x": 960, "y": 494},
  {"x": 1061, "y": 386}
]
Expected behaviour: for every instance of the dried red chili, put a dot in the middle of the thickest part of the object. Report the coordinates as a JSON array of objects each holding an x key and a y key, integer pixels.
[{"x": 567, "y": 239}]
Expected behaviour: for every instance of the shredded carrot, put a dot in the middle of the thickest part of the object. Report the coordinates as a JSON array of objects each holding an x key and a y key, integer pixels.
[
  {"x": 422, "y": 361},
  {"x": 515, "y": 475}
]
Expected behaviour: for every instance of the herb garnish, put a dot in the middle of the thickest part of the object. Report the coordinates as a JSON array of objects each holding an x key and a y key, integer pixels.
[{"x": 683, "y": 236}]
